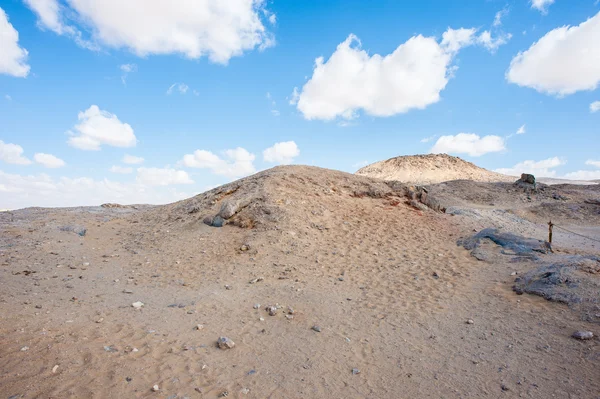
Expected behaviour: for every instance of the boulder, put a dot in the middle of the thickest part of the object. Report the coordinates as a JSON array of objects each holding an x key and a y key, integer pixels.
[{"x": 527, "y": 178}]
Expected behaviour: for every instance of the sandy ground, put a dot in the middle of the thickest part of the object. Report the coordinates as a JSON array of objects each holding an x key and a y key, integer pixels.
[{"x": 387, "y": 285}]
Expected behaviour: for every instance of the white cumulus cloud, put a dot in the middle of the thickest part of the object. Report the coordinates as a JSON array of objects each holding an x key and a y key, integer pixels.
[
  {"x": 541, "y": 168},
  {"x": 281, "y": 153},
  {"x": 13, "y": 58},
  {"x": 541, "y": 5},
  {"x": 51, "y": 15},
  {"x": 19, "y": 191},
  {"x": 564, "y": 61},
  {"x": 521, "y": 130},
  {"x": 595, "y": 106},
  {"x": 132, "y": 159},
  {"x": 162, "y": 176},
  {"x": 238, "y": 162},
  {"x": 468, "y": 143},
  {"x": 48, "y": 160},
  {"x": 428, "y": 139},
  {"x": 583, "y": 175},
  {"x": 592, "y": 162},
  {"x": 218, "y": 29},
  {"x": 97, "y": 127},
  {"x": 411, "y": 77},
  {"x": 12, "y": 153},
  {"x": 121, "y": 169}
]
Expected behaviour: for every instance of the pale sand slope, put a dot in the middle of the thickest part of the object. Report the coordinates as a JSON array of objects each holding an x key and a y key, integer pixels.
[
  {"x": 342, "y": 250},
  {"x": 429, "y": 169}
]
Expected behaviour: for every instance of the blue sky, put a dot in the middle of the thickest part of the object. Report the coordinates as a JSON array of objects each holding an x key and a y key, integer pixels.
[{"x": 209, "y": 93}]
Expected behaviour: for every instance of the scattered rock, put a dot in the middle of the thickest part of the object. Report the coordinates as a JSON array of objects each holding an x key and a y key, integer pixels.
[
  {"x": 316, "y": 328},
  {"x": 127, "y": 292},
  {"x": 137, "y": 305},
  {"x": 100, "y": 320},
  {"x": 199, "y": 327},
  {"x": 224, "y": 394},
  {"x": 272, "y": 310},
  {"x": 527, "y": 178},
  {"x": 569, "y": 279},
  {"x": 256, "y": 306},
  {"x": 355, "y": 371},
  {"x": 225, "y": 343},
  {"x": 256, "y": 280},
  {"x": 470, "y": 321},
  {"x": 504, "y": 387},
  {"x": 110, "y": 349},
  {"x": 24, "y": 349},
  {"x": 217, "y": 221},
  {"x": 512, "y": 244},
  {"x": 228, "y": 287},
  {"x": 290, "y": 310},
  {"x": 228, "y": 209},
  {"x": 245, "y": 391},
  {"x": 55, "y": 369},
  {"x": 155, "y": 388},
  {"x": 583, "y": 335},
  {"x": 245, "y": 247},
  {"x": 289, "y": 316},
  {"x": 80, "y": 230}
]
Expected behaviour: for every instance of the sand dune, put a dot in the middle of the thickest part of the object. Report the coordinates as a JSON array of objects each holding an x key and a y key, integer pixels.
[{"x": 386, "y": 283}]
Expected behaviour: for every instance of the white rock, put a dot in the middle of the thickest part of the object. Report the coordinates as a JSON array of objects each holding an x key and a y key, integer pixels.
[
  {"x": 137, "y": 305},
  {"x": 155, "y": 388}
]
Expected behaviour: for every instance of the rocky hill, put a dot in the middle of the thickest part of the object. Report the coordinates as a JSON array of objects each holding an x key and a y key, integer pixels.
[{"x": 430, "y": 169}]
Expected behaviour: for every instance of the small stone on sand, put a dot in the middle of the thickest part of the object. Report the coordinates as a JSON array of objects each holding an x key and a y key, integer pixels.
[
  {"x": 583, "y": 335},
  {"x": 225, "y": 343}
]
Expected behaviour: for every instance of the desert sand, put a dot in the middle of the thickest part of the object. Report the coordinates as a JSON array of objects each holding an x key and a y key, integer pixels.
[
  {"x": 371, "y": 297},
  {"x": 430, "y": 169}
]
